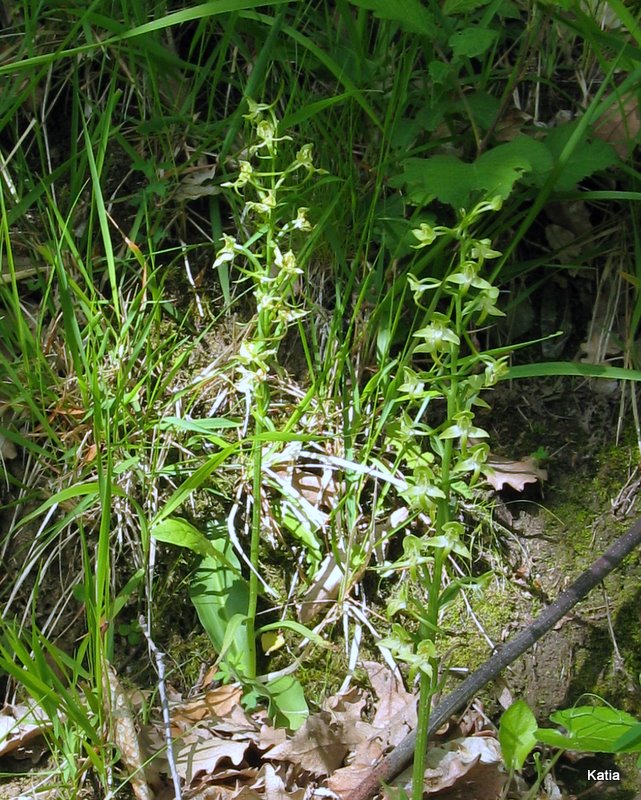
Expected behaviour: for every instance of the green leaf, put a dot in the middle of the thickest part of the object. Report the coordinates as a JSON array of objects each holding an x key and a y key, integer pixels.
[
  {"x": 411, "y": 15},
  {"x": 438, "y": 71},
  {"x": 451, "y": 7},
  {"x": 287, "y": 704},
  {"x": 455, "y": 182},
  {"x": 312, "y": 109},
  {"x": 297, "y": 627},
  {"x": 591, "y": 729},
  {"x": 629, "y": 742},
  {"x": 305, "y": 531},
  {"x": 206, "y": 425},
  {"x": 547, "y": 368},
  {"x": 181, "y": 533},
  {"x": 472, "y": 42},
  {"x": 517, "y": 737},
  {"x": 126, "y": 592},
  {"x": 221, "y": 600},
  {"x": 585, "y": 159}
]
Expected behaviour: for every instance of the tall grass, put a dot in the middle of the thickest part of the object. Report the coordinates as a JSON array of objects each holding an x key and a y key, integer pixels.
[{"x": 119, "y": 124}]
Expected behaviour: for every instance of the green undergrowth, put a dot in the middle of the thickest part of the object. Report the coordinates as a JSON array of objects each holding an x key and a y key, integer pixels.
[{"x": 264, "y": 237}]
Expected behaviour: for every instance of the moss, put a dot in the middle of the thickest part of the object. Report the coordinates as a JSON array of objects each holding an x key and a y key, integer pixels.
[
  {"x": 496, "y": 609},
  {"x": 188, "y": 655}
]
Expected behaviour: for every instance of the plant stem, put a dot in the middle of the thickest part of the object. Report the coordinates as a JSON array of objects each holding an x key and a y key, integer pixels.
[
  {"x": 261, "y": 400},
  {"x": 429, "y": 682}
]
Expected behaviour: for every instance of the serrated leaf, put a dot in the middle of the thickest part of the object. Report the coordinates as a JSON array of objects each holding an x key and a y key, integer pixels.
[
  {"x": 455, "y": 182},
  {"x": 587, "y": 157}
]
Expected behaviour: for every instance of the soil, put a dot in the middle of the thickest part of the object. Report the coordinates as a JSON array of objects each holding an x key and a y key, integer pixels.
[{"x": 549, "y": 537}]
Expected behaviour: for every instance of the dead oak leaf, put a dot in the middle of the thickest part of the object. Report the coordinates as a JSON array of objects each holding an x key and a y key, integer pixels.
[
  {"x": 218, "y": 702},
  {"x": 318, "y": 746},
  {"x": 467, "y": 768},
  {"x": 196, "y": 754},
  {"x": 393, "y": 698},
  {"x": 501, "y": 472},
  {"x": 346, "y": 780}
]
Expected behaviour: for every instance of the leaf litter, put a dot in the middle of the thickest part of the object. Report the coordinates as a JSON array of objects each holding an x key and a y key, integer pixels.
[{"x": 224, "y": 752}]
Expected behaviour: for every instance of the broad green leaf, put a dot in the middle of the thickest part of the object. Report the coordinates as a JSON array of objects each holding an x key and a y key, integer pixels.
[
  {"x": 472, "y": 42},
  {"x": 517, "y": 737},
  {"x": 439, "y": 72},
  {"x": 590, "y": 729},
  {"x": 411, "y": 15},
  {"x": 585, "y": 159},
  {"x": 455, "y": 182},
  {"x": 221, "y": 600},
  {"x": 287, "y": 704},
  {"x": 305, "y": 531},
  {"x": 181, "y": 533}
]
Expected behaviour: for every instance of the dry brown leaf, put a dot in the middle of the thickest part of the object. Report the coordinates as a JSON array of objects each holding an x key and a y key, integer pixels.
[
  {"x": 238, "y": 724},
  {"x": 345, "y": 780},
  {"x": 274, "y": 786},
  {"x": 223, "y": 793},
  {"x": 319, "y": 489},
  {"x": 620, "y": 125},
  {"x": 19, "y": 726},
  {"x": 511, "y": 125},
  {"x": 395, "y": 716},
  {"x": 470, "y": 765},
  {"x": 323, "y": 590},
  {"x": 392, "y": 696},
  {"x": 318, "y": 746},
  {"x": 501, "y": 472},
  {"x": 125, "y": 735},
  {"x": 195, "y": 183},
  {"x": 271, "y": 737},
  {"x": 200, "y": 752},
  {"x": 216, "y": 702}
]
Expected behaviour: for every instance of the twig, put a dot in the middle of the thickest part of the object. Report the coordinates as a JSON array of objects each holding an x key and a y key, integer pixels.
[
  {"x": 396, "y": 761},
  {"x": 164, "y": 702}
]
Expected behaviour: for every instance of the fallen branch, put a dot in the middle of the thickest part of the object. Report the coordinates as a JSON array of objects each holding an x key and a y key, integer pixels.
[{"x": 401, "y": 756}]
